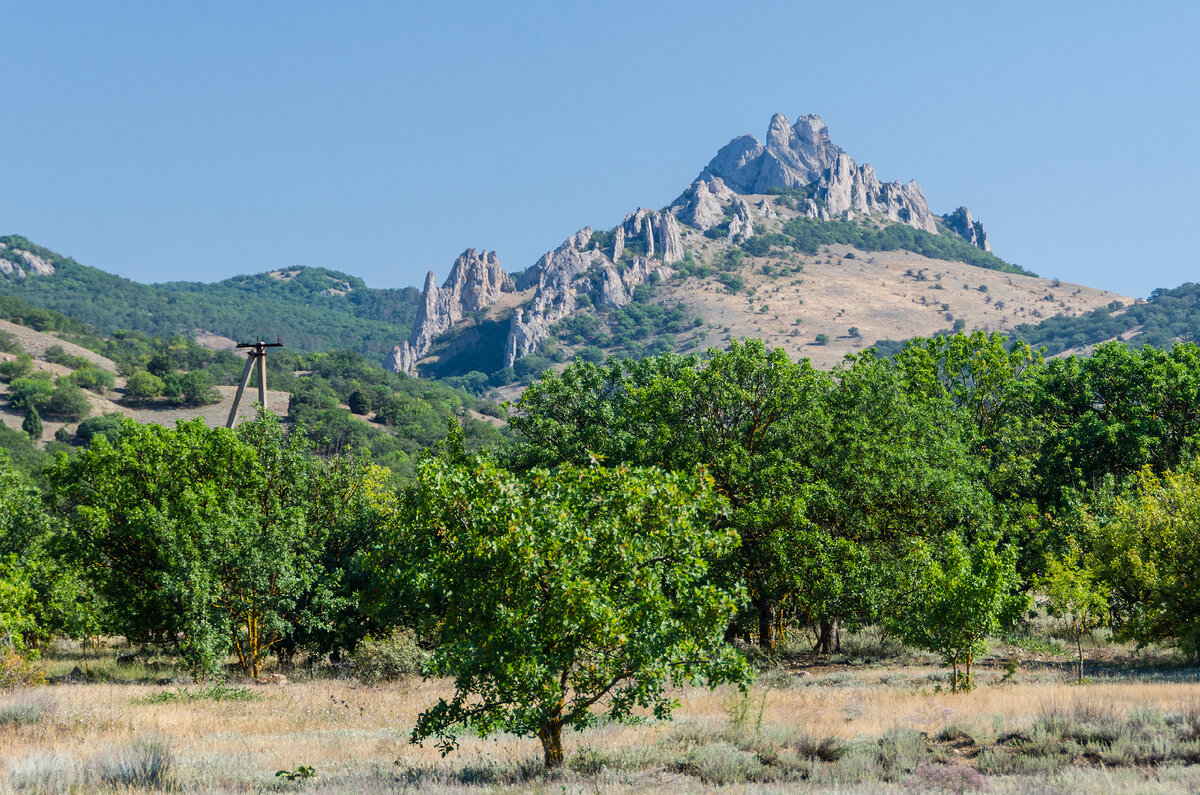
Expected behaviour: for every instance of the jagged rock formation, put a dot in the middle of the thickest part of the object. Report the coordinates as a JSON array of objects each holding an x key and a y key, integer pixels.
[
  {"x": 475, "y": 282},
  {"x": 793, "y": 156},
  {"x": 849, "y": 187},
  {"x": 802, "y": 155},
  {"x": 580, "y": 268},
  {"x": 33, "y": 262},
  {"x": 962, "y": 224}
]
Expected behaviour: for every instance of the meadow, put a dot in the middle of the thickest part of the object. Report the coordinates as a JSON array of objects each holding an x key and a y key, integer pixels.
[{"x": 875, "y": 717}]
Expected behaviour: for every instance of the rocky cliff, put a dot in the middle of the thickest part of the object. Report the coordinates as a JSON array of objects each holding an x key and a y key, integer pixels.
[
  {"x": 16, "y": 262},
  {"x": 475, "y": 282},
  {"x": 583, "y": 271}
]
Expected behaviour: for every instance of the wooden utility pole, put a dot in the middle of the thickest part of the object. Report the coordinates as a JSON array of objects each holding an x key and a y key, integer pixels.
[{"x": 256, "y": 354}]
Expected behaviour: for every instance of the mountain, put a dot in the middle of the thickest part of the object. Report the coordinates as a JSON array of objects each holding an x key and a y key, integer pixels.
[{"x": 790, "y": 240}]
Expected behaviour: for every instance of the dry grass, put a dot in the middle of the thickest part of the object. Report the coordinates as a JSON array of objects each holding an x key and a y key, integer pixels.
[{"x": 355, "y": 736}]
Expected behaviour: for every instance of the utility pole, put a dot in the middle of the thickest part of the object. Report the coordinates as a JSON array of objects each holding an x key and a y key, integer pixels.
[{"x": 256, "y": 355}]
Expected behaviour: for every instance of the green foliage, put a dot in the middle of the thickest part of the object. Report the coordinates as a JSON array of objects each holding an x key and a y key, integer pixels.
[
  {"x": 214, "y": 692},
  {"x": 20, "y": 367},
  {"x": 808, "y": 235},
  {"x": 563, "y": 592},
  {"x": 142, "y": 386},
  {"x": 1167, "y": 316},
  {"x": 213, "y": 540},
  {"x": 309, "y": 308},
  {"x": 32, "y": 424},
  {"x": 389, "y": 659},
  {"x": 93, "y": 378},
  {"x": 961, "y": 596},
  {"x": 9, "y": 343},
  {"x": 108, "y": 425},
  {"x": 1148, "y": 551},
  {"x": 1076, "y": 595},
  {"x": 66, "y": 403}
]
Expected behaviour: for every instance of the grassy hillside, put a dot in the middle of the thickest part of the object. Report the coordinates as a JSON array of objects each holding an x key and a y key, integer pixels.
[{"x": 309, "y": 308}]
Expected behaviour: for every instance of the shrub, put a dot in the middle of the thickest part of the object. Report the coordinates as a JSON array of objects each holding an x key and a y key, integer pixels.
[
  {"x": 25, "y": 708},
  {"x": 67, "y": 403},
  {"x": 93, "y": 378},
  {"x": 147, "y": 765},
  {"x": 389, "y": 659}
]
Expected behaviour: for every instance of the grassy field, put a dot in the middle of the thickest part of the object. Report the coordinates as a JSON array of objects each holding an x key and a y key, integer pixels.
[{"x": 875, "y": 718}]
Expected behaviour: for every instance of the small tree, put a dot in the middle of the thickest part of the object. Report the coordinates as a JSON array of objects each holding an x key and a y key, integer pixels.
[
  {"x": 67, "y": 402},
  {"x": 1075, "y": 596},
  {"x": 573, "y": 590},
  {"x": 142, "y": 386},
  {"x": 822, "y": 339},
  {"x": 32, "y": 424},
  {"x": 960, "y": 603}
]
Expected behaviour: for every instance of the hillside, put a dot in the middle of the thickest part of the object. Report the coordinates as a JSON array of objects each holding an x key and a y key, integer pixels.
[
  {"x": 311, "y": 308},
  {"x": 341, "y": 400}
]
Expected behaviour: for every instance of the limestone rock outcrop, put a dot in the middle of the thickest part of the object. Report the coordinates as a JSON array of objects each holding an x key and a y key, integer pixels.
[
  {"x": 581, "y": 272},
  {"x": 847, "y": 186},
  {"x": 962, "y": 224},
  {"x": 793, "y": 156},
  {"x": 475, "y": 282},
  {"x": 33, "y": 264},
  {"x": 800, "y": 155}
]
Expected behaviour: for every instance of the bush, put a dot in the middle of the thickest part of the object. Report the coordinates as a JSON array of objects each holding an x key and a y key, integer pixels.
[
  {"x": 93, "y": 378},
  {"x": 67, "y": 403},
  {"x": 107, "y": 425},
  {"x": 389, "y": 659},
  {"x": 9, "y": 343},
  {"x": 19, "y": 367}
]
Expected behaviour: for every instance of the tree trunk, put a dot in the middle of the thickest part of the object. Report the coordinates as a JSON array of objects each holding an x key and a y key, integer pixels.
[
  {"x": 837, "y": 636},
  {"x": 551, "y": 736},
  {"x": 954, "y": 675},
  {"x": 766, "y": 626},
  {"x": 1079, "y": 648},
  {"x": 826, "y": 644}
]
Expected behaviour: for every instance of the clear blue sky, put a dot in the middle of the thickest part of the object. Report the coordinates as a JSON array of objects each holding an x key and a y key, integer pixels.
[{"x": 202, "y": 140}]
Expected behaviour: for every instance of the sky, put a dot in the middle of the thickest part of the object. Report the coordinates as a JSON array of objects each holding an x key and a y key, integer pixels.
[{"x": 197, "y": 141}]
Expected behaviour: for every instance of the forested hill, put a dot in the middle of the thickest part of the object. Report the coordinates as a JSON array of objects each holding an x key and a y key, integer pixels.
[
  {"x": 1168, "y": 316},
  {"x": 310, "y": 308}
]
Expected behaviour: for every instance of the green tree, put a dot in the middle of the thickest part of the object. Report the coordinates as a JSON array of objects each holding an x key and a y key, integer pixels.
[
  {"x": 959, "y": 601},
  {"x": 1148, "y": 551},
  {"x": 142, "y": 386},
  {"x": 559, "y": 595},
  {"x": 93, "y": 378},
  {"x": 210, "y": 539},
  {"x": 32, "y": 424},
  {"x": 1076, "y": 596},
  {"x": 67, "y": 402}
]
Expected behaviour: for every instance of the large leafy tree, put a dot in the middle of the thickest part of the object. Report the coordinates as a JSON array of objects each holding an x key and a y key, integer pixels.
[
  {"x": 210, "y": 539},
  {"x": 560, "y": 595},
  {"x": 747, "y": 415}
]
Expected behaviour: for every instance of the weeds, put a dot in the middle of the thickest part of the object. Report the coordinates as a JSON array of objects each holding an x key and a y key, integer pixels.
[
  {"x": 25, "y": 708},
  {"x": 210, "y": 693}
]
